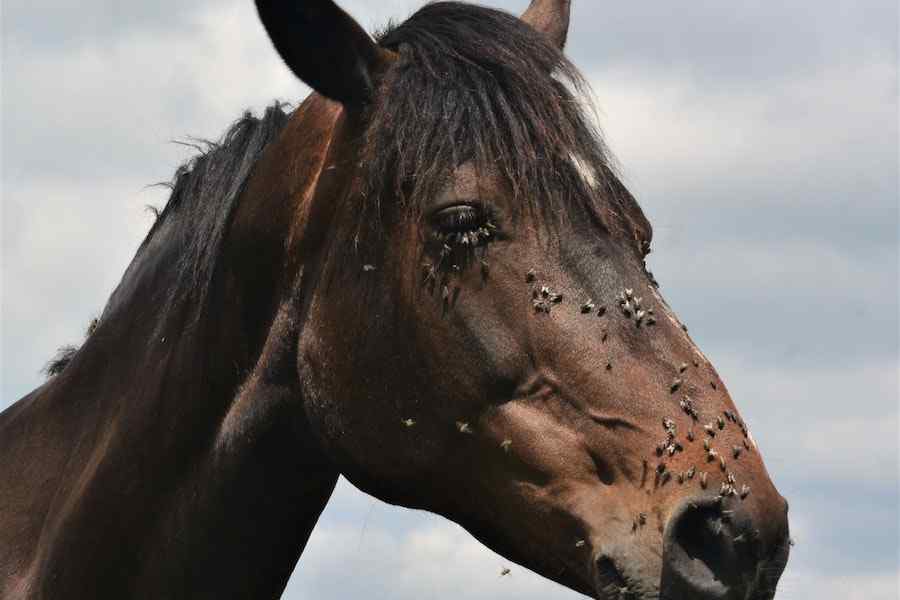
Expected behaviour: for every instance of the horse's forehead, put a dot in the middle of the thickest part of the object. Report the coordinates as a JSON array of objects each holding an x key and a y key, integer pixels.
[
  {"x": 472, "y": 181},
  {"x": 468, "y": 178}
]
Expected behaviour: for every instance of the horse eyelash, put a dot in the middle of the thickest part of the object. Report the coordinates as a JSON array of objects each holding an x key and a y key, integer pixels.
[{"x": 460, "y": 219}]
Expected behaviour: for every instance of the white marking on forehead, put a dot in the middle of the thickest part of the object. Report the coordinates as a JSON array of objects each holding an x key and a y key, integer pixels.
[{"x": 588, "y": 172}]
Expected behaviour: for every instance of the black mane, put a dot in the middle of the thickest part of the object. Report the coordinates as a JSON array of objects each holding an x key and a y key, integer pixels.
[
  {"x": 477, "y": 84},
  {"x": 204, "y": 194},
  {"x": 65, "y": 354}
]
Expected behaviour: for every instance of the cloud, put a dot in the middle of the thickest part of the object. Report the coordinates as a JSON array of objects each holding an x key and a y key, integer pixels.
[
  {"x": 798, "y": 585},
  {"x": 127, "y": 97},
  {"x": 382, "y": 552},
  {"x": 774, "y": 209},
  {"x": 55, "y": 26},
  {"x": 821, "y": 424},
  {"x": 735, "y": 46}
]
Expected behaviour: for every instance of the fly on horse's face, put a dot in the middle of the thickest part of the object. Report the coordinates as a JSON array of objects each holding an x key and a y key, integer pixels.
[{"x": 489, "y": 345}]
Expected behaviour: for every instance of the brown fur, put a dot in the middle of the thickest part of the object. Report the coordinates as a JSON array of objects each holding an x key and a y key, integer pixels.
[{"x": 188, "y": 448}]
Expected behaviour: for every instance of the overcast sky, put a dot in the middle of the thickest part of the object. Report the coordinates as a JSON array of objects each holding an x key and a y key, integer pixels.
[{"x": 761, "y": 139}]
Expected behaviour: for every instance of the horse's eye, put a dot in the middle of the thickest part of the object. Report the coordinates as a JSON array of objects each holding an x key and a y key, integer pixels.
[{"x": 458, "y": 219}]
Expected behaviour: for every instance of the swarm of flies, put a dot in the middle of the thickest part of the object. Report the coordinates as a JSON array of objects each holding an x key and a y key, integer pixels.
[
  {"x": 455, "y": 252},
  {"x": 632, "y": 308},
  {"x": 544, "y": 299},
  {"x": 689, "y": 408}
]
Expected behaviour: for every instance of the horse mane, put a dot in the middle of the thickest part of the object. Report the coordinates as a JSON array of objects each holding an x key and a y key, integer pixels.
[
  {"x": 477, "y": 84},
  {"x": 205, "y": 191},
  {"x": 65, "y": 354},
  {"x": 60, "y": 360}
]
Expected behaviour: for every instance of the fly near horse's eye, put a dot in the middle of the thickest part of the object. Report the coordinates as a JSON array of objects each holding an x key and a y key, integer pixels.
[{"x": 459, "y": 219}]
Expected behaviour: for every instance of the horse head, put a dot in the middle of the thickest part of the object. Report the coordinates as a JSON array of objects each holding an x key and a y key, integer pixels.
[{"x": 480, "y": 335}]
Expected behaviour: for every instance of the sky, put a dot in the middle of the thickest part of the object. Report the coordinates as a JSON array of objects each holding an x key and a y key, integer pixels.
[{"x": 761, "y": 139}]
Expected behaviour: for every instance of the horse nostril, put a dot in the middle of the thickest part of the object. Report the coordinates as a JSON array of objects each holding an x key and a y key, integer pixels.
[{"x": 708, "y": 554}]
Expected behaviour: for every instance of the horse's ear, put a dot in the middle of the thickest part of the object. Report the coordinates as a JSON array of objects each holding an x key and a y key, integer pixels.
[
  {"x": 550, "y": 17},
  {"x": 324, "y": 47}
]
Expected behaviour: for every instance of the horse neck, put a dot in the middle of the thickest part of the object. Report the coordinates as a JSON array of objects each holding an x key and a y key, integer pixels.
[
  {"x": 204, "y": 432},
  {"x": 263, "y": 479},
  {"x": 197, "y": 365},
  {"x": 265, "y": 472}
]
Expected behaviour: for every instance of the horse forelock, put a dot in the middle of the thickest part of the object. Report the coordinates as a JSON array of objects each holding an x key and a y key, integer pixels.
[
  {"x": 476, "y": 84},
  {"x": 470, "y": 84}
]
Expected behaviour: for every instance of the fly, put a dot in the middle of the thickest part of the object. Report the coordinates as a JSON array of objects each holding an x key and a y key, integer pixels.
[{"x": 464, "y": 427}]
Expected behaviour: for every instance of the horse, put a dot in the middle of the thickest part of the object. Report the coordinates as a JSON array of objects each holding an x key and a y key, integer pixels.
[{"x": 427, "y": 278}]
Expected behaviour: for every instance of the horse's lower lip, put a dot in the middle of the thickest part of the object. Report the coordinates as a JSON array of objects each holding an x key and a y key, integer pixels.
[{"x": 609, "y": 581}]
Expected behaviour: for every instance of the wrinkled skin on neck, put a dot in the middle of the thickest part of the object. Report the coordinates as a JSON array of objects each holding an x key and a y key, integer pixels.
[{"x": 507, "y": 388}]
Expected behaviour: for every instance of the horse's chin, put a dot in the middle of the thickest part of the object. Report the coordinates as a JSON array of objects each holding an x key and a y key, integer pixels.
[
  {"x": 610, "y": 581},
  {"x": 613, "y": 581}
]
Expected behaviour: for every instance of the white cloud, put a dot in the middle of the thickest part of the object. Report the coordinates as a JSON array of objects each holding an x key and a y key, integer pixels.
[
  {"x": 835, "y": 128},
  {"x": 814, "y": 584},
  {"x": 126, "y": 98},
  {"x": 395, "y": 554},
  {"x": 821, "y": 423}
]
